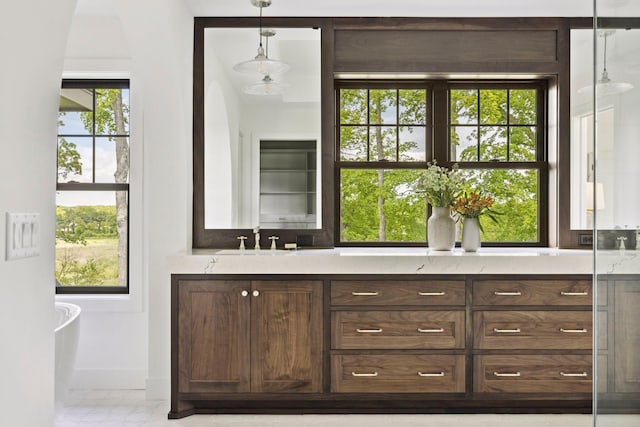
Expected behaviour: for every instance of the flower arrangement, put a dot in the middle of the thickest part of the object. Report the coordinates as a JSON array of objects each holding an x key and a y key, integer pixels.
[
  {"x": 441, "y": 185},
  {"x": 473, "y": 205}
]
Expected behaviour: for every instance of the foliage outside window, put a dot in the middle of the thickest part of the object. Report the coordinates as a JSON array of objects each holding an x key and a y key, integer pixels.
[
  {"x": 92, "y": 192},
  {"x": 386, "y": 137}
]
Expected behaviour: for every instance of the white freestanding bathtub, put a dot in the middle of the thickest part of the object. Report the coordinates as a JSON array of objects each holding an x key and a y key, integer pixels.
[{"x": 67, "y": 331}]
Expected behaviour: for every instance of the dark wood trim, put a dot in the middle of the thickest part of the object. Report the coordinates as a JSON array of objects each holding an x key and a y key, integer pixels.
[{"x": 226, "y": 238}]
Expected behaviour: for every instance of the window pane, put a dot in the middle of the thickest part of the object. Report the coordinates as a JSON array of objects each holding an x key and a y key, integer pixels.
[
  {"x": 413, "y": 107},
  {"x": 464, "y": 143},
  {"x": 522, "y": 106},
  {"x": 515, "y": 193},
  {"x": 91, "y": 238},
  {"x": 382, "y": 143},
  {"x": 464, "y": 106},
  {"x": 413, "y": 146},
  {"x": 493, "y": 143},
  {"x": 353, "y": 143},
  {"x": 402, "y": 217},
  {"x": 522, "y": 144},
  {"x": 75, "y": 159},
  {"x": 75, "y": 115},
  {"x": 383, "y": 106},
  {"x": 106, "y": 165},
  {"x": 493, "y": 107},
  {"x": 112, "y": 111},
  {"x": 353, "y": 106}
]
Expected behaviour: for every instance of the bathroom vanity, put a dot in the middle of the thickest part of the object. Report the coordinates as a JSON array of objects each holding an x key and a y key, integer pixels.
[{"x": 357, "y": 330}]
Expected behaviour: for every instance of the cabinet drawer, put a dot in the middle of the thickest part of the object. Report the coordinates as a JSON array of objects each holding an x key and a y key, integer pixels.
[
  {"x": 532, "y": 374},
  {"x": 391, "y": 373},
  {"x": 397, "y": 329},
  {"x": 532, "y": 330},
  {"x": 372, "y": 292},
  {"x": 532, "y": 292}
]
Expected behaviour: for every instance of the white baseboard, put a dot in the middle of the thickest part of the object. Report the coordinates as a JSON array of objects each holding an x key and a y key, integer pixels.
[
  {"x": 158, "y": 388},
  {"x": 109, "y": 379}
]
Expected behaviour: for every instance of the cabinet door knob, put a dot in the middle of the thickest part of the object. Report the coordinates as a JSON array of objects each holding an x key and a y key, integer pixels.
[
  {"x": 256, "y": 293},
  {"x": 581, "y": 374},
  {"x": 438, "y": 374},
  {"x": 508, "y": 294},
  {"x": 244, "y": 293},
  {"x": 365, "y": 294},
  {"x": 506, "y": 331},
  {"x": 431, "y": 294},
  {"x": 574, "y": 294}
]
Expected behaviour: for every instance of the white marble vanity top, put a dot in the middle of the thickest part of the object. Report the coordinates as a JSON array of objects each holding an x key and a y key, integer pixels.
[{"x": 403, "y": 261}]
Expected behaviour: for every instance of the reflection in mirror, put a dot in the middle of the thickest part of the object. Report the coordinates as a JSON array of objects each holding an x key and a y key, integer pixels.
[
  {"x": 601, "y": 190},
  {"x": 261, "y": 152}
]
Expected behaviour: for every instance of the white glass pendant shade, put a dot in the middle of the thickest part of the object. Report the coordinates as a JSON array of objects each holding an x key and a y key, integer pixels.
[
  {"x": 266, "y": 87},
  {"x": 605, "y": 86},
  {"x": 261, "y": 64}
]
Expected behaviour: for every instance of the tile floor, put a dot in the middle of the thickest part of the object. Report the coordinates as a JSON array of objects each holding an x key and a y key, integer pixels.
[{"x": 129, "y": 408}]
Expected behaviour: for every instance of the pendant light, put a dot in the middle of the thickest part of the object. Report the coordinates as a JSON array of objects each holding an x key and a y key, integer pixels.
[
  {"x": 267, "y": 86},
  {"x": 605, "y": 86},
  {"x": 261, "y": 64}
]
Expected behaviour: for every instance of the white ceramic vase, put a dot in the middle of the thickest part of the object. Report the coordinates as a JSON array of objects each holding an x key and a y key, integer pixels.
[
  {"x": 441, "y": 229},
  {"x": 470, "y": 234}
]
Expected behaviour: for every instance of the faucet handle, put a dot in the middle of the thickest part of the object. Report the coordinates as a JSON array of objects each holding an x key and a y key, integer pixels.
[
  {"x": 242, "y": 239},
  {"x": 273, "y": 241}
]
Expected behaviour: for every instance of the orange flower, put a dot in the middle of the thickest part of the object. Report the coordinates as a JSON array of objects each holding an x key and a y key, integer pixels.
[{"x": 473, "y": 205}]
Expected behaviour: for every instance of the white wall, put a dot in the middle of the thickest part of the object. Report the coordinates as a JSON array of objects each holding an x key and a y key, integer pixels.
[
  {"x": 160, "y": 33},
  {"x": 32, "y": 46}
]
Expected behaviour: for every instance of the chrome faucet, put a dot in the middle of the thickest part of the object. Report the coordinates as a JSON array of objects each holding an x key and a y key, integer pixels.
[{"x": 256, "y": 233}]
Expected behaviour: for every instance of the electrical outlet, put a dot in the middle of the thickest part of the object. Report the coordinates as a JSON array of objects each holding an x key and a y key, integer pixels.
[{"x": 23, "y": 235}]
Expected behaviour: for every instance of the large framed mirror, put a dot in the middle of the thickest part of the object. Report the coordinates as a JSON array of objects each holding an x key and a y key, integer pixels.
[
  {"x": 597, "y": 194},
  {"x": 259, "y": 160}
]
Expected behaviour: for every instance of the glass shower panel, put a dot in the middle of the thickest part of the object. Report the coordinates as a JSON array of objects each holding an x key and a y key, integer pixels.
[{"x": 617, "y": 219}]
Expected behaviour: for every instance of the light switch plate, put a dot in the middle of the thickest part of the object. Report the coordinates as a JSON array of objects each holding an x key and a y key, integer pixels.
[{"x": 23, "y": 235}]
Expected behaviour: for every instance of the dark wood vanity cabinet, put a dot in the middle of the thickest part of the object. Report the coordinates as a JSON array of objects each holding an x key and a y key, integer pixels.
[
  {"x": 235, "y": 337},
  {"x": 385, "y": 343}
]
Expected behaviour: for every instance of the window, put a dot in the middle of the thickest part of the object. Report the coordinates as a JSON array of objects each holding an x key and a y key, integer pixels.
[
  {"x": 388, "y": 132},
  {"x": 92, "y": 191}
]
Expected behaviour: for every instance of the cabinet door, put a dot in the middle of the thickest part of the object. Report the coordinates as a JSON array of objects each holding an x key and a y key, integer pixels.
[
  {"x": 213, "y": 336},
  {"x": 627, "y": 336},
  {"x": 286, "y": 332}
]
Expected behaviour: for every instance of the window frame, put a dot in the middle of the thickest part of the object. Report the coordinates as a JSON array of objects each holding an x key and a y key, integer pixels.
[
  {"x": 93, "y": 186},
  {"x": 437, "y": 144}
]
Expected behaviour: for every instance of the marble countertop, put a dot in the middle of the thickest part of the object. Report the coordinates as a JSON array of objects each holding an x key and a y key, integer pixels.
[{"x": 362, "y": 260}]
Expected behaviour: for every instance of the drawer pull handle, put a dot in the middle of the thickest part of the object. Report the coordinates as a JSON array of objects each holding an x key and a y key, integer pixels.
[
  {"x": 508, "y": 294},
  {"x": 369, "y": 331},
  {"x": 506, "y": 331},
  {"x": 432, "y": 294},
  {"x": 565, "y": 374},
  {"x": 431, "y": 331},
  {"x": 371, "y": 374},
  {"x": 507, "y": 374},
  {"x": 573, "y": 331},
  {"x": 365, "y": 294},
  {"x": 438, "y": 374},
  {"x": 574, "y": 294}
]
